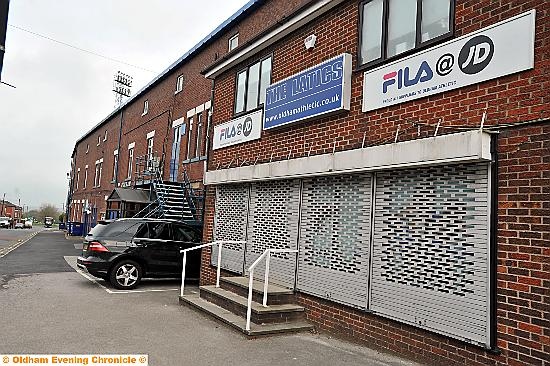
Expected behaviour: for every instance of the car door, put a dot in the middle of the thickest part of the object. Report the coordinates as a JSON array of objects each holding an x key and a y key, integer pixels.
[
  {"x": 187, "y": 237},
  {"x": 163, "y": 251}
]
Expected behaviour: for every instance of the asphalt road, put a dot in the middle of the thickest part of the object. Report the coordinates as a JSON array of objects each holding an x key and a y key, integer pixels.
[
  {"x": 9, "y": 238},
  {"x": 46, "y": 307}
]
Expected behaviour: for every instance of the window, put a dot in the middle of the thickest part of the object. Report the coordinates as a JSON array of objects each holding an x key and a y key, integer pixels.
[
  {"x": 105, "y": 136},
  {"x": 98, "y": 140},
  {"x": 77, "y": 178},
  {"x": 185, "y": 234},
  {"x": 233, "y": 42},
  {"x": 190, "y": 120},
  {"x": 150, "y": 154},
  {"x": 252, "y": 83},
  {"x": 145, "y": 107},
  {"x": 85, "y": 178},
  {"x": 130, "y": 161},
  {"x": 115, "y": 163},
  {"x": 98, "y": 170},
  {"x": 159, "y": 231},
  {"x": 179, "y": 84},
  {"x": 87, "y": 148},
  {"x": 392, "y": 27},
  {"x": 198, "y": 141}
]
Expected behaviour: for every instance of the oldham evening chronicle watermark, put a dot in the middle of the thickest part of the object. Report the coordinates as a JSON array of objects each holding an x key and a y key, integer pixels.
[{"x": 74, "y": 360}]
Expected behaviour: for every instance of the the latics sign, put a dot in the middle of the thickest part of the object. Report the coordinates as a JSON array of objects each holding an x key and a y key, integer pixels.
[
  {"x": 498, "y": 50},
  {"x": 322, "y": 89}
]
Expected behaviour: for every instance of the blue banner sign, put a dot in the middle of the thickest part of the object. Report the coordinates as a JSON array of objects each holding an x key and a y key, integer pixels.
[{"x": 322, "y": 89}]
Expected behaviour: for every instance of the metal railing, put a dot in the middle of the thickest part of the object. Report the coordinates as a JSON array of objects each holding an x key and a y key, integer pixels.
[
  {"x": 218, "y": 270},
  {"x": 267, "y": 254}
]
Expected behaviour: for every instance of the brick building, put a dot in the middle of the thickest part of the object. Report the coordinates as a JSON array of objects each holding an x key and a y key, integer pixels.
[
  {"x": 162, "y": 128},
  {"x": 11, "y": 210},
  {"x": 404, "y": 152}
]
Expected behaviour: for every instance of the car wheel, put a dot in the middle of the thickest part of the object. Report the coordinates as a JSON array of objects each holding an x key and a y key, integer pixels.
[{"x": 125, "y": 275}]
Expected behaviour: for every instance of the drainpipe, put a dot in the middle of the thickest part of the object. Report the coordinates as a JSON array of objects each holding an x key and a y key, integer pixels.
[
  {"x": 207, "y": 144},
  {"x": 118, "y": 149}
]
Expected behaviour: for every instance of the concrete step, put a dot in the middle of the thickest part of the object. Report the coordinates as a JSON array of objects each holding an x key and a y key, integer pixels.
[
  {"x": 239, "y": 323},
  {"x": 275, "y": 294},
  {"x": 279, "y": 313}
]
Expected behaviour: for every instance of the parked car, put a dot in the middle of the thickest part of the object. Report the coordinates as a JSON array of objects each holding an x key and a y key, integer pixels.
[
  {"x": 19, "y": 225},
  {"x": 28, "y": 224},
  {"x": 124, "y": 251},
  {"x": 4, "y": 222}
]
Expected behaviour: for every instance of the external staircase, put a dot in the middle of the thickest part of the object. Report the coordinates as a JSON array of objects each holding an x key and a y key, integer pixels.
[
  {"x": 228, "y": 303},
  {"x": 172, "y": 201}
]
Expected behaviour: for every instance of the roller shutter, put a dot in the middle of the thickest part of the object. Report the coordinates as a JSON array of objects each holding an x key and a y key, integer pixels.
[
  {"x": 273, "y": 223},
  {"x": 230, "y": 224},
  {"x": 334, "y": 238},
  {"x": 431, "y": 249}
]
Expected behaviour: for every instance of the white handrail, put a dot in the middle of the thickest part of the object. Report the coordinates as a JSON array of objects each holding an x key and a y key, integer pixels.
[
  {"x": 184, "y": 260},
  {"x": 267, "y": 253}
]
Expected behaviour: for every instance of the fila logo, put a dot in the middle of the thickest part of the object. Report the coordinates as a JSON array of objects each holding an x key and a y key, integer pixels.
[{"x": 402, "y": 76}]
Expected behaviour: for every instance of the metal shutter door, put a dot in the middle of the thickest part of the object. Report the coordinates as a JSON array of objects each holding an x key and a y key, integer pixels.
[
  {"x": 273, "y": 223},
  {"x": 334, "y": 238},
  {"x": 431, "y": 249},
  {"x": 230, "y": 224}
]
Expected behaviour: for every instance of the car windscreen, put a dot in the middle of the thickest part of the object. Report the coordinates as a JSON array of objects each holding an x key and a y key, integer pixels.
[{"x": 118, "y": 230}]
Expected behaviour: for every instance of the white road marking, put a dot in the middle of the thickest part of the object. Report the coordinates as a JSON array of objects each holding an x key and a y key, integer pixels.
[
  {"x": 18, "y": 244},
  {"x": 71, "y": 261}
]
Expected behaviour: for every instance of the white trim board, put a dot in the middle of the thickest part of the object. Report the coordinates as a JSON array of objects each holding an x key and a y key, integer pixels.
[
  {"x": 462, "y": 147},
  {"x": 298, "y": 21}
]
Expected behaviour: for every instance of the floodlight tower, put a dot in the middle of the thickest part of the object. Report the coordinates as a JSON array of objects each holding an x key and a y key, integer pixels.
[{"x": 121, "y": 87}]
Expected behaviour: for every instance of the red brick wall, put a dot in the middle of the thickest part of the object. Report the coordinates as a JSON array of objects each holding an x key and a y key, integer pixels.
[
  {"x": 164, "y": 107},
  {"x": 523, "y": 305}
]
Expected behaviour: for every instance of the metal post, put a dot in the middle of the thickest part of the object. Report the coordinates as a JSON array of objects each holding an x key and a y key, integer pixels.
[
  {"x": 183, "y": 273},
  {"x": 249, "y": 308},
  {"x": 218, "y": 270},
  {"x": 266, "y": 278}
]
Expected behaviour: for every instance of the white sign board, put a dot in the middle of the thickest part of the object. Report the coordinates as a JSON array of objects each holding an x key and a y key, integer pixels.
[
  {"x": 500, "y": 49},
  {"x": 239, "y": 130}
]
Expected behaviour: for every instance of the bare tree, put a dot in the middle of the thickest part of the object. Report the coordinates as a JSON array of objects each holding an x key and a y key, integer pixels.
[{"x": 47, "y": 210}]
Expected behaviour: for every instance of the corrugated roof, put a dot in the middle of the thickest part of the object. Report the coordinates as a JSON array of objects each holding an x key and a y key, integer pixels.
[
  {"x": 129, "y": 195},
  {"x": 215, "y": 34}
]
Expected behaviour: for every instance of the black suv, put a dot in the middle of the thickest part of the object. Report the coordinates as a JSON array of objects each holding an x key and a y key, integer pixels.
[{"x": 126, "y": 250}]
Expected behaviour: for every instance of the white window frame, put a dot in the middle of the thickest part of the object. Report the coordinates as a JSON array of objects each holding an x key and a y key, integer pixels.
[
  {"x": 105, "y": 136},
  {"x": 198, "y": 136},
  {"x": 98, "y": 140},
  {"x": 115, "y": 163},
  {"x": 179, "y": 84},
  {"x": 145, "y": 107},
  {"x": 233, "y": 42},
  {"x": 87, "y": 148},
  {"x": 77, "y": 178},
  {"x": 85, "y": 177},
  {"x": 130, "y": 161}
]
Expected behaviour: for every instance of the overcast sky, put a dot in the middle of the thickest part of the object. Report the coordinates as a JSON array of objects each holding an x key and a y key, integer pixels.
[{"x": 62, "y": 92}]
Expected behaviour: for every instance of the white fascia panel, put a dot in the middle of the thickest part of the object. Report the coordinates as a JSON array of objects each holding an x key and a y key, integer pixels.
[
  {"x": 151, "y": 134},
  {"x": 131, "y": 146},
  {"x": 115, "y": 152},
  {"x": 316, "y": 10},
  {"x": 178, "y": 122},
  {"x": 463, "y": 147},
  {"x": 190, "y": 113},
  {"x": 208, "y": 104},
  {"x": 199, "y": 109}
]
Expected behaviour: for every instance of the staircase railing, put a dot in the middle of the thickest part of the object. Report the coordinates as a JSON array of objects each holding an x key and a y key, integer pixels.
[
  {"x": 266, "y": 254},
  {"x": 218, "y": 271},
  {"x": 193, "y": 198},
  {"x": 159, "y": 200}
]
